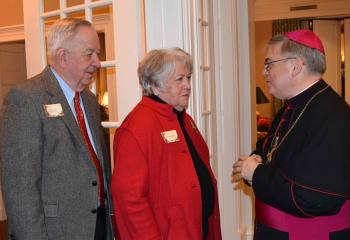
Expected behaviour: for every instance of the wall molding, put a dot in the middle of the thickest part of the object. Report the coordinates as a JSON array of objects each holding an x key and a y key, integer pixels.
[
  {"x": 12, "y": 33},
  {"x": 283, "y": 9},
  {"x": 233, "y": 104}
]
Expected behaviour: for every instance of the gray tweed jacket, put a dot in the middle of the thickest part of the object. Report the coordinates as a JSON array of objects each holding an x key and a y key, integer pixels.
[{"x": 48, "y": 176}]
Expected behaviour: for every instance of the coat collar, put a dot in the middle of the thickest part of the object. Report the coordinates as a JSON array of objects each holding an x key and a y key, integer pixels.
[
  {"x": 163, "y": 109},
  {"x": 52, "y": 85}
]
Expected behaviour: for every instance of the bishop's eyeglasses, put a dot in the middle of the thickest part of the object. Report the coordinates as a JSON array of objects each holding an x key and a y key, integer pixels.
[{"x": 268, "y": 64}]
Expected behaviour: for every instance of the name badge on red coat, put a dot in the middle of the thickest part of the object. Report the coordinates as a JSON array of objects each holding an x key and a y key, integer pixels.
[{"x": 170, "y": 136}]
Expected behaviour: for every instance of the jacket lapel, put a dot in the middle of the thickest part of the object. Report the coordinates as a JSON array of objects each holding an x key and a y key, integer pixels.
[
  {"x": 57, "y": 96},
  {"x": 93, "y": 122}
]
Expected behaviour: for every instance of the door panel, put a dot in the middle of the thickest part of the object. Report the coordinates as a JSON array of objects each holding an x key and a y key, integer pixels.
[
  {"x": 329, "y": 32},
  {"x": 12, "y": 66}
]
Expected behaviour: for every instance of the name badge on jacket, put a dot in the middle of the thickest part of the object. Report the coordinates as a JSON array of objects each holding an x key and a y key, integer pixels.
[
  {"x": 53, "y": 110},
  {"x": 170, "y": 136}
]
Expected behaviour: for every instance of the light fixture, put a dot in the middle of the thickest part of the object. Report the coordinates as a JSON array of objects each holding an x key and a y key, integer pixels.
[{"x": 104, "y": 101}]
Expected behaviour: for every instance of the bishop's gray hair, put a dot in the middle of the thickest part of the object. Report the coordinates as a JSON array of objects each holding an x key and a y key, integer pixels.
[{"x": 315, "y": 61}]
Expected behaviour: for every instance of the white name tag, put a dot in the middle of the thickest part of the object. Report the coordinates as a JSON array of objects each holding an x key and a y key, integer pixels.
[
  {"x": 170, "y": 136},
  {"x": 53, "y": 110}
]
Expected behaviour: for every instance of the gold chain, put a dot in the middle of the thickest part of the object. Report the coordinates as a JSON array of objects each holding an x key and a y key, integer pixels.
[{"x": 275, "y": 144}]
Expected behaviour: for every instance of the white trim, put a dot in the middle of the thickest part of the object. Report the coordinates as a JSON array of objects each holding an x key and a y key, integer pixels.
[
  {"x": 246, "y": 76},
  {"x": 99, "y": 3},
  {"x": 126, "y": 51},
  {"x": 12, "y": 33},
  {"x": 233, "y": 112},
  {"x": 106, "y": 64},
  {"x": 193, "y": 44},
  {"x": 64, "y": 10},
  {"x": 51, "y": 14},
  {"x": 33, "y": 37},
  {"x": 226, "y": 117},
  {"x": 110, "y": 124},
  {"x": 165, "y": 20}
]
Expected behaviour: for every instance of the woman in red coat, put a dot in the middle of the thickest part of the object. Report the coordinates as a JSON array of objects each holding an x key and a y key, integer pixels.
[{"x": 162, "y": 184}]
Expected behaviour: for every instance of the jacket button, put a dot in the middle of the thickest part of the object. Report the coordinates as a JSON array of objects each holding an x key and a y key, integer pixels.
[
  {"x": 94, "y": 183},
  {"x": 93, "y": 211},
  {"x": 184, "y": 151}
]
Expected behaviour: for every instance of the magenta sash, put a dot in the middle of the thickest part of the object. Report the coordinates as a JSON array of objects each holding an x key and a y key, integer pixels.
[{"x": 303, "y": 228}]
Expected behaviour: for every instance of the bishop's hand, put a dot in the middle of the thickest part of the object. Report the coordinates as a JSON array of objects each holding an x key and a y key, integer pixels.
[{"x": 244, "y": 168}]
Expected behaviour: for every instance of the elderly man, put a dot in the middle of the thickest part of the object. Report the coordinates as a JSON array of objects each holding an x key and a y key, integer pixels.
[
  {"x": 300, "y": 170},
  {"x": 55, "y": 162}
]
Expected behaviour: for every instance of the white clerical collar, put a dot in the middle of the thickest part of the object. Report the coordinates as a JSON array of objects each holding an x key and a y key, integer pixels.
[{"x": 305, "y": 89}]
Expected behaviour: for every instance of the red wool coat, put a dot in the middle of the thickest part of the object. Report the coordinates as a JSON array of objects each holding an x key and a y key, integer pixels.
[{"x": 155, "y": 188}]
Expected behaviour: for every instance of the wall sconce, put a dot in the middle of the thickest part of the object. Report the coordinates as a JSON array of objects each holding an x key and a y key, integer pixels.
[
  {"x": 260, "y": 96},
  {"x": 104, "y": 101}
]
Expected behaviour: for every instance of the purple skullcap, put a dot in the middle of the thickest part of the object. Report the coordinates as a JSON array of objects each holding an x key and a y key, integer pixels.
[{"x": 307, "y": 38}]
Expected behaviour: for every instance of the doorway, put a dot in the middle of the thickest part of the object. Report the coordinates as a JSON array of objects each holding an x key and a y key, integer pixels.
[
  {"x": 12, "y": 72},
  {"x": 12, "y": 66}
]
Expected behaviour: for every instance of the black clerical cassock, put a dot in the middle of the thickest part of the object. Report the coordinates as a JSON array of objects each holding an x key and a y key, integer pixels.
[{"x": 306, "y": 170}]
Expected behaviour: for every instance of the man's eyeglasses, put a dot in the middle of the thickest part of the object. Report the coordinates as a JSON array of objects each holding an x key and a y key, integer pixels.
[{"x": 268, "y": 64}]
